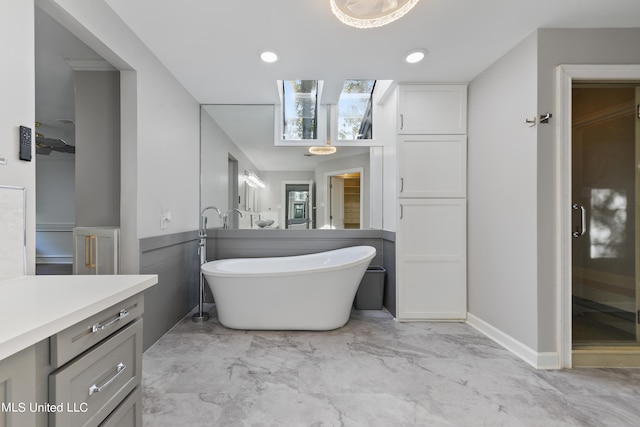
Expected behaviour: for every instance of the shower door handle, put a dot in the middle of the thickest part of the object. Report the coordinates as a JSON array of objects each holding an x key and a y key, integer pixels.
[{"x": 582, "y": 229}]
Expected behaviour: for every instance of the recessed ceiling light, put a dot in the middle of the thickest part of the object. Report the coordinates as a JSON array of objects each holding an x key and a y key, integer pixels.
[
  {"x": 415, "y": 56},
  {"x": 268, "y": 56}
]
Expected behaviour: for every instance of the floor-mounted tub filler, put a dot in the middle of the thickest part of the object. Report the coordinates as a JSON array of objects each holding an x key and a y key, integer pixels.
[{"x": 303, "y": 292}]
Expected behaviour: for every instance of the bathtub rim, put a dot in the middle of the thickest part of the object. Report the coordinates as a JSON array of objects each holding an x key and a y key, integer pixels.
[{"x": 210, "y": 267}]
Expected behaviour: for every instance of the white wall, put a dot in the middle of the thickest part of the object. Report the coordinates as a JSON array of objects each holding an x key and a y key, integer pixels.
[
  {"x": 97, "y": 186},
  {"x": 271, "y": 198},
  {"x": 502, "y": 188},
  {"x": 514, "y": 180},
  {"x": 387, "y": 115},
  {"x": 17, "y": 105},
  {"x": 564, "y": 46},
  {"x": 216, "y": 147}
]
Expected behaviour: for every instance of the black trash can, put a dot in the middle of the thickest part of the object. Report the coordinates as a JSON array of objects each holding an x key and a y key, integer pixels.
[{"x": 371, "y": 290}]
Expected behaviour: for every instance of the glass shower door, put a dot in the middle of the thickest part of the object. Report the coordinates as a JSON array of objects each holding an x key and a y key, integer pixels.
[{"x": 605, "y": 196}]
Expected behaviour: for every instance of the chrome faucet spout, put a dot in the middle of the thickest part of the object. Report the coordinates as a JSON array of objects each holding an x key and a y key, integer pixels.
[
  {"x": 225, "y": 217},
  {"x": 203, "y": 219}
]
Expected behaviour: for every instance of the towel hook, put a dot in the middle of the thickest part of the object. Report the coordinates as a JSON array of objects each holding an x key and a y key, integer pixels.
[{"x": 545, "y": 118}]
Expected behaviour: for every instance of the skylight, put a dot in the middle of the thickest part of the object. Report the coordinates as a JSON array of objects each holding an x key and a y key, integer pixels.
[
  {"x": 355, "y": 110},
  {"x": 300, "y": 112}
]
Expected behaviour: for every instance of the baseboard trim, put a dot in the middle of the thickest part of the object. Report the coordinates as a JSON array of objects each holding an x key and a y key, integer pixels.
[{"x": 539, "y": 360}]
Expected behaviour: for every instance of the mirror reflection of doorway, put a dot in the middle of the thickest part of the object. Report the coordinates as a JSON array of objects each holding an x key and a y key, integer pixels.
[
  {"x": 605, "y": 308},
  {"x": 345, "y": 200},
  {"x": 299, "y": 206}
]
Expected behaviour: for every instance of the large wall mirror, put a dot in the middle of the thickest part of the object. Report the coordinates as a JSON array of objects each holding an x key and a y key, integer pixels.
[{"x": 283, "y": 187}]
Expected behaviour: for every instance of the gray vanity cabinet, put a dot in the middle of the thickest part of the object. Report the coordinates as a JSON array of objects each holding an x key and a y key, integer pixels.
[
  {"x": 94, "y": 384},
  {"x": 18, "y": 389},
  {"x": 96, "y": 368}
]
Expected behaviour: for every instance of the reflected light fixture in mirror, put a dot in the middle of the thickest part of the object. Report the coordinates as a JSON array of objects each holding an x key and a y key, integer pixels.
[
  {"x": 370, "y": 13},
  {"x": 254, "y": 180},
  {"x": 322, "y": 150}
]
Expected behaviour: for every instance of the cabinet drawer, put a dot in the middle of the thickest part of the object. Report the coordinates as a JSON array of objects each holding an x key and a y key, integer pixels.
[
  {"x": 129, "y": 413},
  {"x": 74, "y": 340},
  {"x": 93, "y": 385}
]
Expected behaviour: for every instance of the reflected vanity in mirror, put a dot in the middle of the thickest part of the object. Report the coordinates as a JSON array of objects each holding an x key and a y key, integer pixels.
[{"x": 299, "y": 190}]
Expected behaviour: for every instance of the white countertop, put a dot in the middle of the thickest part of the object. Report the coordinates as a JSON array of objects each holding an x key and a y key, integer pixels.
[{"x": 33, "y": 308}]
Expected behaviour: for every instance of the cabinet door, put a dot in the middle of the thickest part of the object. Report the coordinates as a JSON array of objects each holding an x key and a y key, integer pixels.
[
  {"x": 106, "y": 253},
  {"x": 432, "y": 166},
  {"x": 96, "y": 250},
  {"x": 431, "y": 259},
  {"x": 18, "y": 389},
  {"x": 432, "y": 109},
  {"x": 83, "y": 253}
]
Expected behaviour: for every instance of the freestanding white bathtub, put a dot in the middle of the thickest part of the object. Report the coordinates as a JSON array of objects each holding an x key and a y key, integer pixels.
[{"x": 304, "y": 292}]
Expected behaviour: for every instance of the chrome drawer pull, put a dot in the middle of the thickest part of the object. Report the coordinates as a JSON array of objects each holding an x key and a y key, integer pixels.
[
  {"x": 95, "y": 389},
  {"x": 98, "y": 327}
]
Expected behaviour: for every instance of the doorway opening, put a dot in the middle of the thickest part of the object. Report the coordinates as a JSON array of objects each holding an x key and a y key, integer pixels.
[
  {"x": 77, "y": 105},
  {"x": 298, "y": 207},
  {"x": 345, "y": 201}
]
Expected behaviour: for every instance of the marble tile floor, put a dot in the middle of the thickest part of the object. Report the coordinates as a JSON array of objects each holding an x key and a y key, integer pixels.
[{"x": 372, "y": 372}]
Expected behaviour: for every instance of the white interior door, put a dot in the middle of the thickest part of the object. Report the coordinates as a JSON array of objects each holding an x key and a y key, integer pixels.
[{"x": 337, "y": 203}]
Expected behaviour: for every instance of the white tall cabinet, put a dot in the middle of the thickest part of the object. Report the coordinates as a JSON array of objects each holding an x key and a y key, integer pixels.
[{"x": 432, "y": 211}]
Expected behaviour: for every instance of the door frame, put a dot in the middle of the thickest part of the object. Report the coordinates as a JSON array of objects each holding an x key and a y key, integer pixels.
[
  {"x": 565, "y": 76},
  {"x": 327, "y": 183}
]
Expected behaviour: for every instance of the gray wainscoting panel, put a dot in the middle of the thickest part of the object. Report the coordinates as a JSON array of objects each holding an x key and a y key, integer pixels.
[
  {"x": 174, "y": 258},
  {"x": 223, "y": 244},
  {"x": 389, "y": 263}
]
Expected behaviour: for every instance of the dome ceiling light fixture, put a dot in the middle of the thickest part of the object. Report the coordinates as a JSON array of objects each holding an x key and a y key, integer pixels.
[
  {"x": 370, "y": 13},
  {"x": 322, "y": 150}
]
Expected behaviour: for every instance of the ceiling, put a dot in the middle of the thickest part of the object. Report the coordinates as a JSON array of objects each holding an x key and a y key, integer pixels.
[{"x": 212, "y": 47}]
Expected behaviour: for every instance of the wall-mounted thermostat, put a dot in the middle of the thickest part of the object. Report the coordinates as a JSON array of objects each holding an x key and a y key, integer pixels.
[{"x": 25, "y": 143}]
